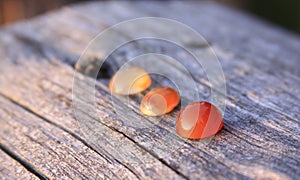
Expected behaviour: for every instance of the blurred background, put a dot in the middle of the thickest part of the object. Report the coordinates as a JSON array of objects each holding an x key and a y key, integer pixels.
[{"x": 283, "y": 13}]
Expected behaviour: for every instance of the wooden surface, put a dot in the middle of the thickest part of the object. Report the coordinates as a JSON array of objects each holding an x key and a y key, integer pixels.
[{"x": 40, "y": 137}]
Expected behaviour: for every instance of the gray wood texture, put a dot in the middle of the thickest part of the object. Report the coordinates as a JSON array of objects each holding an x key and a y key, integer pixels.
[
  {"x": 12, "y": 169},
  {"x": 40, "y": 136}
]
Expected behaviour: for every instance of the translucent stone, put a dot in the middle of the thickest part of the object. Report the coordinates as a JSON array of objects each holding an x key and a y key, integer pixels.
[
  {"x": 129, "y": 80},
  {"x": 159, "y": 101},
  {"x": 199, "y": 120}
]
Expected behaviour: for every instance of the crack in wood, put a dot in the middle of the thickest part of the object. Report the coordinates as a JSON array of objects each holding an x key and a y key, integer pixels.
[
  {"x": 23, "y": 162},
  {"x": 31, "y": 168}
]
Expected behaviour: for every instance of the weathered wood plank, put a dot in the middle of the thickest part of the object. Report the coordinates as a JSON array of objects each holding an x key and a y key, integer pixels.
[
  {"x": 50, "y": 150},
  {"x": 56, "y": 88},
  {"x": 261, "y": 136},
  {"x": 263, "y": 85},
  {"x": 261, "y": 80}
]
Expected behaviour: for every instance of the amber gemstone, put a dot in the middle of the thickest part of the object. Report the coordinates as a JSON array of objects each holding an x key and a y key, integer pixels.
[
  {"x": 159, "y": 101},
  {"x": 199, "y": 120},
  {"x": 129, "y": 80}
]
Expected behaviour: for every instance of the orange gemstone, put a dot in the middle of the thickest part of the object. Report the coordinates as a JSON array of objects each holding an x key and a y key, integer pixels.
[
  {"x": 199, "y": 120},
  {"x": 129, "y": 80},
  {"x": 159, "y": 101}
]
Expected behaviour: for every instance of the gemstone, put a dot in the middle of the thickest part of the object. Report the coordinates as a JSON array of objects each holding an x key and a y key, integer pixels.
[
  {"x": 199, "y": 120},
  {"x": 129, "y": 80},
  {"x": 159, "y": 101}
]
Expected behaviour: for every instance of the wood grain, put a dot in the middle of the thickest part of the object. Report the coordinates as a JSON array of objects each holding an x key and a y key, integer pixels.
[
  {"x": 10, "y": 168},
  {"x": 261, "y": 135},
  {"x": 50, "y": 151}
]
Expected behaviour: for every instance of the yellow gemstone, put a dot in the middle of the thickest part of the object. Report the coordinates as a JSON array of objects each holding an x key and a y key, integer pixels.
[
  {"x": 159, "y": 101},
  {"x": 129, "y": 80}
]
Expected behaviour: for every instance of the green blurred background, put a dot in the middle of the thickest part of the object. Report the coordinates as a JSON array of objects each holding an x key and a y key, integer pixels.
[{"x": 285, "y": 13}]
